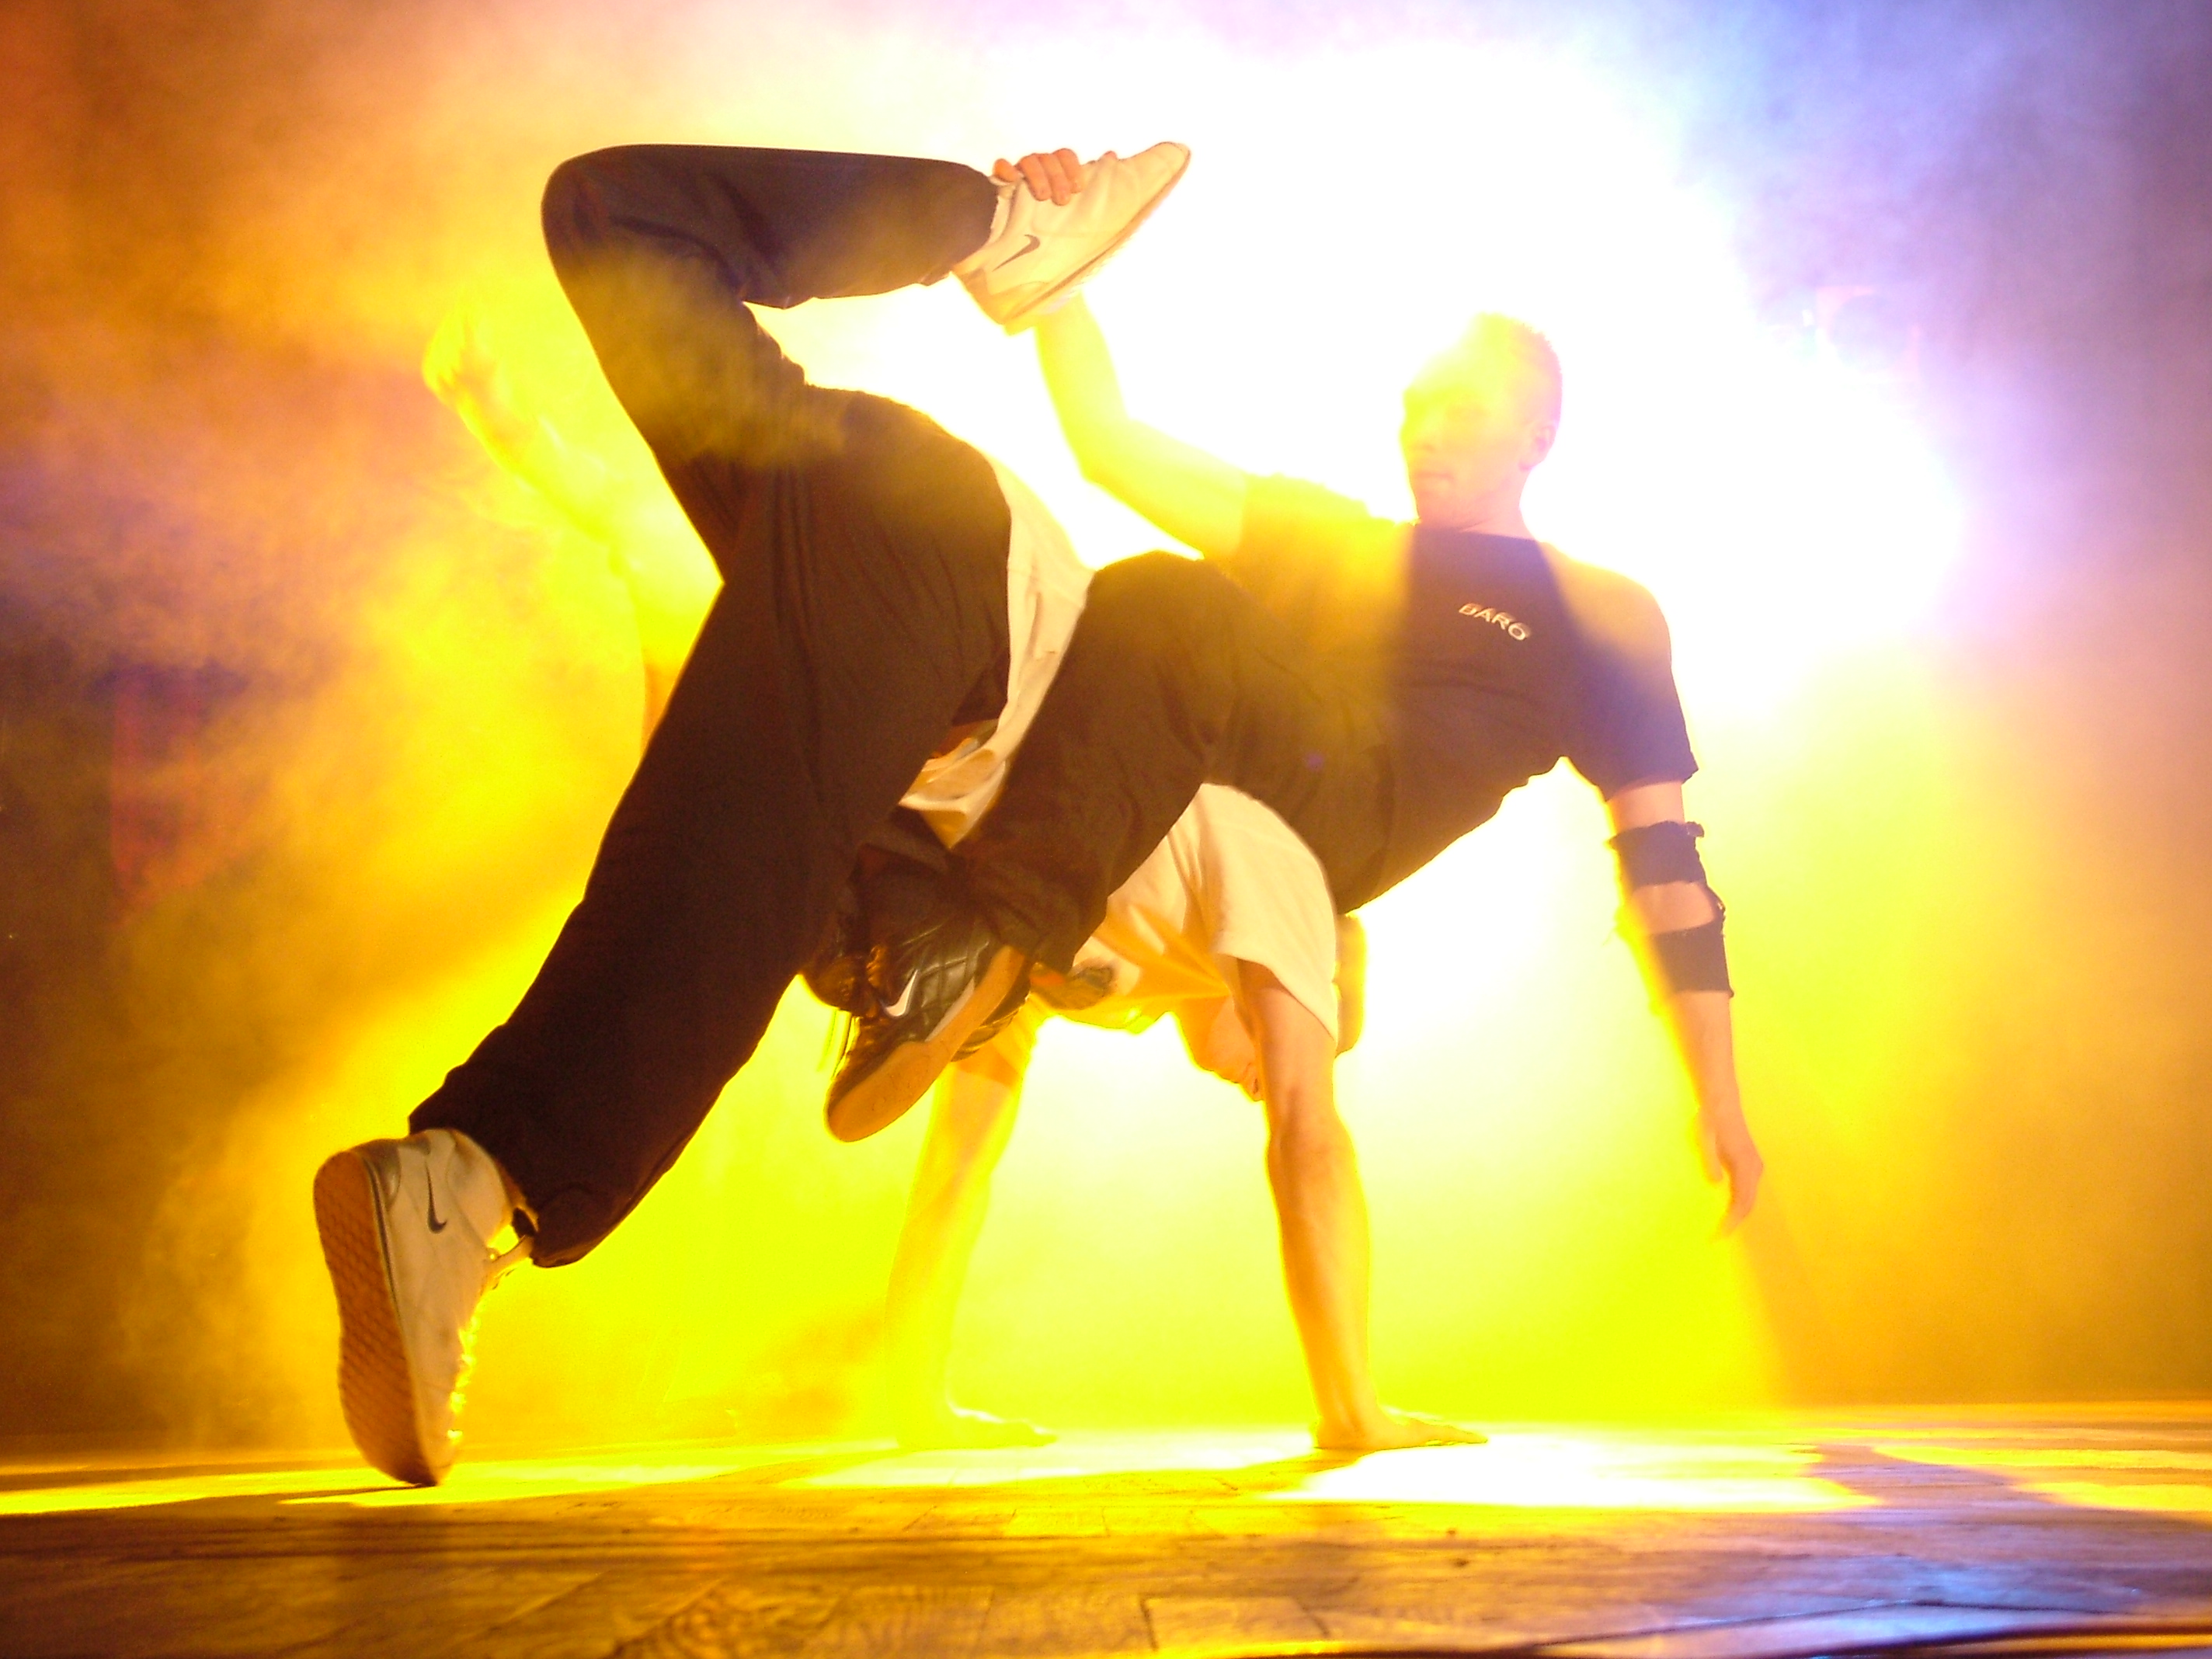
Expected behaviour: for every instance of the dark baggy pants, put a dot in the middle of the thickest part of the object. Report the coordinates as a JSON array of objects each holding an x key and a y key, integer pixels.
[
  {"x": 1175, "y": 676},
  {"x": 863, "y": 611}
]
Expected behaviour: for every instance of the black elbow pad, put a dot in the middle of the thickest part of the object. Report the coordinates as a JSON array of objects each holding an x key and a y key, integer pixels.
[
  {"x": 1654, "y": 854},
  {"x": 1689, "y": 958}
]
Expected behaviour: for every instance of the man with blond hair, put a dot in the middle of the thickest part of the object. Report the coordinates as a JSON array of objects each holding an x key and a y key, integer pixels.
[{"x": 1382, "y": 686}]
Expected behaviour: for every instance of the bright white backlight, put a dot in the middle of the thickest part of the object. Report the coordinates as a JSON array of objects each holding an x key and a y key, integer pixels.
[{"x": 1344, "y": 215}]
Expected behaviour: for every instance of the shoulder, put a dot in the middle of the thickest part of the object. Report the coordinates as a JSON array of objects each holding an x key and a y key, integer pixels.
[
  {"x": 1323, "y": 562},
  {"x": 1610, "y": 609},
  {"x": 1303, "y": 496},
  {"x": 1278, "y": 507}
]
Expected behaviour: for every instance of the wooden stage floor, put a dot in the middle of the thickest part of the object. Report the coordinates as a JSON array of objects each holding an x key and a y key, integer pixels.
[{"x": 2010, "y": 1533}]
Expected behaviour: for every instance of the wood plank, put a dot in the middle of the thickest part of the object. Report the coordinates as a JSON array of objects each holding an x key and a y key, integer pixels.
[
  {"x": 734, "y": 1621},
  {"x": 960, "y": 1520},
  {"x": 1398, "y": 1630},
  {"x": 983, "y": 1568},
  {"x": 592, "y": 1620},
  {"x": 901, "y": 1619},
  {"x": 1819, "y": 1633},
  {"x": 1210, "y": 1623},
  {"x": 415, "y": 1613},
  {"x": 1057, "y": 1520},
  {"x": 187, "y": 1607},
  {"x": 1042, "y": 1625}
]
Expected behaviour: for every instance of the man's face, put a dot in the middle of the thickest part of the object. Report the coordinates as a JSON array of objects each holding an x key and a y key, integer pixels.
[{"x": 1472, "y": 435}]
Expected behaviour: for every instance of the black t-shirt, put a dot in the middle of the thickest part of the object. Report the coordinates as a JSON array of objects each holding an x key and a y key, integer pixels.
[{"x": 1491, "y": 657}]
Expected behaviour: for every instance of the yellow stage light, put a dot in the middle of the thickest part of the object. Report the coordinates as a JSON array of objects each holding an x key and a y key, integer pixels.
[{"x": 1541, "y": 1234}]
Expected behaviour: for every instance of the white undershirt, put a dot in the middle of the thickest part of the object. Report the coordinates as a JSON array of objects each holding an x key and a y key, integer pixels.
[{"x": 1046, "y": 584}]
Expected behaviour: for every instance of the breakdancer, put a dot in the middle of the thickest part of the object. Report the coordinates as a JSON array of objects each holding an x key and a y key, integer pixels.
[
  {"x": 1227, "y": 927},
  {"x": 881, "y": 583},
  {"x": 1382, "y": 687}
]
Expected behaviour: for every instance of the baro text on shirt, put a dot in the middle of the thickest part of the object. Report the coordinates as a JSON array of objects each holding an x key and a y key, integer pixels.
[{"x": 1491, "y": 614}]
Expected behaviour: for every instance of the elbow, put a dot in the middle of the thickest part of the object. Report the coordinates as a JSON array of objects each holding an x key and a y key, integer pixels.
[
  {"x": 1096, "y": 468},
  {"x": 1671, "y": 907},
  {"x": 1111, "y": 468},
  {"x": 1099, "y": 441},
  {"x": 1092, "y": 445}
]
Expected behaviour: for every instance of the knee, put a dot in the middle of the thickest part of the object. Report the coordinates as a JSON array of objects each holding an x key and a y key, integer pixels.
[
  {"x": 1156, "y": 590},
  {"x": 1157, "y": 574},
  {"x": 566, "y": 180},
  {"x": 561, "y": 211},
  {"x": 571, "y": 210}
]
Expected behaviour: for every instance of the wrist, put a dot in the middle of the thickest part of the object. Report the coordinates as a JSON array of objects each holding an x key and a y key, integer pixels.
[{"x": 1720, "y": 1110}]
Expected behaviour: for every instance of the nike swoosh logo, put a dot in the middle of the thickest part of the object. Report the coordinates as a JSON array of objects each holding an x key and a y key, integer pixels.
[
  {"x": 898, "y": 1009},
  {"x": 1025, "y": 253},
  {"x": 436, "y": 1225}
]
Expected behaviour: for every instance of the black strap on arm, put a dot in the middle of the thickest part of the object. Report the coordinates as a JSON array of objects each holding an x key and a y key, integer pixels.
[
  {"x": 1691, "y": 959},
  {"x": 1654, "y": 854},
  {"x": 1688, "y": 958}
]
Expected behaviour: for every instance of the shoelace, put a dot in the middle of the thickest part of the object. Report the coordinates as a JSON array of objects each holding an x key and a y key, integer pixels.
[
  {"x": 837, "y": 1040},
  {"x": 496, "y": 1268},
  {"x": 504, "y": 1263}
]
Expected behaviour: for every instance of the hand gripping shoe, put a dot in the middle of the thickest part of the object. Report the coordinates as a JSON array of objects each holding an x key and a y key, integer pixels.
[
  {"x": 1042, "y": 251},
  {"x": 406, "y": 1228},
  {"x": 942, "y": 991}
]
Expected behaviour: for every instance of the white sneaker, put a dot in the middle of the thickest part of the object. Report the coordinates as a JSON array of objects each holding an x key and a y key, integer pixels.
[
  {"x": 1040, "y": 252},
  {"x": 407, "y": 1228}
]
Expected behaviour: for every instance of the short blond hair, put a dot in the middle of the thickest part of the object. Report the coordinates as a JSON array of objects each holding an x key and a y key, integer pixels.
[{"x": 1494, "y": 345}]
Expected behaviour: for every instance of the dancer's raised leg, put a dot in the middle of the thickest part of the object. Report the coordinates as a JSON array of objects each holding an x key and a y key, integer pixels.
[
  {"x": 863, "y": 553},
  {"x": 864, "y": 557}
]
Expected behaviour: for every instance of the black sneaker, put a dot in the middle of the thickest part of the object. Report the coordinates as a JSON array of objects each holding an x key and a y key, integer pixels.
[
  {"x": 838, "y": 972},
  {"x": 940, "y": 992}
]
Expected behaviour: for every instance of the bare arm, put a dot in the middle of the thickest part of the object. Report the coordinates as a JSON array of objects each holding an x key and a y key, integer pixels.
[
  {"x": 1196, "y": 497},
  {"x": 1321, "y": 1212},
  {"x": 1699, "y": 1021},
  {"x": 468, "y": 379},
  {"x": 650, "y": 545}
]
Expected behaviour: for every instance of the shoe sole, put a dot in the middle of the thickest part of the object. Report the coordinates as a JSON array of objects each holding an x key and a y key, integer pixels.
[
  {"x": 1028, "y": 315},
  {"x": 376, "y": 1391},
  {"x": 886, "y": 1094}
]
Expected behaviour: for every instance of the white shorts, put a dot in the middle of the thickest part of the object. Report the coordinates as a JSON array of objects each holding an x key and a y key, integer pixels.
[{"x": 1231, "y": 883}]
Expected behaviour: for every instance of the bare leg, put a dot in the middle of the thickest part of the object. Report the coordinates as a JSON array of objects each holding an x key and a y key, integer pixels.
[
  {"x": 1321, "y": 1211},
  {"x": 969, "y": 1123}
]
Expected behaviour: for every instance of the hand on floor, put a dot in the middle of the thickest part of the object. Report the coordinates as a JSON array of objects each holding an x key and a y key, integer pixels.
[{"x": 1395, "y": 1431}]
